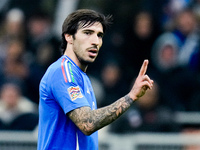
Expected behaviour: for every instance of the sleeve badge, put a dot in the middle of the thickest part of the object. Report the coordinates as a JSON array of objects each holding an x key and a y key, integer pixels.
[{"x": 74, "y": 92}]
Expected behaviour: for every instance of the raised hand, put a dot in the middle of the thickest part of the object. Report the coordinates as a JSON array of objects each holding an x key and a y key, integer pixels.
[{"x": 142, "y": 83}]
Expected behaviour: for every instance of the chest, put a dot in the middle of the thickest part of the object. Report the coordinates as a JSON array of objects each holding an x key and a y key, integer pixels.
[{"x": 89, "y": 93}]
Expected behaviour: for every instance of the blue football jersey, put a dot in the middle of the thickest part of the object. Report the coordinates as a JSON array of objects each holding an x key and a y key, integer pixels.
[{"x": 64, "y": 87}]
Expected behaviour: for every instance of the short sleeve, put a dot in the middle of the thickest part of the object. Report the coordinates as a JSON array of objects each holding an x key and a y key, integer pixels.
[{"x": 69, "y": 95}]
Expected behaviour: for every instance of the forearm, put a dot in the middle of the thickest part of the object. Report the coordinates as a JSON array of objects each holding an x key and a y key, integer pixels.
[
  {"x": 110, "y": 113},
  {"x": 90, "y": 121}
]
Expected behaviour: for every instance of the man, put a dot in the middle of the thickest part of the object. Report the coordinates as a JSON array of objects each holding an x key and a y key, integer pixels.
[{"x": 68, "y": 115}]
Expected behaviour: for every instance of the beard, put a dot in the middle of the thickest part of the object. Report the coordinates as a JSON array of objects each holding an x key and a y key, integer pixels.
[
  {"x": 84, "y": 58},
  {"x": 83, "y": 61}
]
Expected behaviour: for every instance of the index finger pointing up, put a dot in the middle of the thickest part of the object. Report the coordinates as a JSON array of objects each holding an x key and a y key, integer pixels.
[{"x": 143, "y": 69}]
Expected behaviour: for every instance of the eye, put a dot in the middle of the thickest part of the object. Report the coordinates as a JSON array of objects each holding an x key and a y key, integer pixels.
[
  {"x": 87, "y": 32},
  {"x": 100, "y": 35}
]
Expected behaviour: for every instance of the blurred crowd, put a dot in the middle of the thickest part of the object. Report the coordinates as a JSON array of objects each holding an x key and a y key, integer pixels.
[{"x": 165, "y": 32}]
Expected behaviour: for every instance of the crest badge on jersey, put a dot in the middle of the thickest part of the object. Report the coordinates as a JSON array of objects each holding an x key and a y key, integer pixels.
[{"x": 74, "y": 92}]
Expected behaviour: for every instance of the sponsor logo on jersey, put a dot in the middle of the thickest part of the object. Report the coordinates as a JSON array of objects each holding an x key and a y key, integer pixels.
[{"x": 74, "y": 92}]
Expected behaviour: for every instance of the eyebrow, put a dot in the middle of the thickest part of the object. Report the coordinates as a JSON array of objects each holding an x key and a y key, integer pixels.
[{"x": 89, "y": 30}]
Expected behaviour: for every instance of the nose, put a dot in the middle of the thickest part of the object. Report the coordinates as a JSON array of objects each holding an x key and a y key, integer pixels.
[{"x": 96, "y": 40}]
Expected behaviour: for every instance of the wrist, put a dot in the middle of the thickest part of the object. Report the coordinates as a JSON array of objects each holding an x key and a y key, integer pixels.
[
  {"x": 132, "y": 97},
  {"x": 129, "y": 98}
]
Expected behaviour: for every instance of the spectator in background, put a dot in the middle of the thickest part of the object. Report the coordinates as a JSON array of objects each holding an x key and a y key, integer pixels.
[
  {"x": 43, "y": 58},
  {"x": 155, "y": 115},
  {"x": 42, "y": 44},
  {"x": 164, "y": 53},
  {"x": 184, "y": 38},
  {"x": 113, "y": 84},
  {"x": 16, "y": 111},
  {"x": 148, "y": 115},
  {"x": 11, "y": 28},
  {"x": 14, "y": 64},
  {"x": 39, "y": 33},
  {"x": 187, "y": 32},
  {"x": 175, "y": 56},
  {"x": 139, "y": 40},
  {"x": 170, "y": 9}
]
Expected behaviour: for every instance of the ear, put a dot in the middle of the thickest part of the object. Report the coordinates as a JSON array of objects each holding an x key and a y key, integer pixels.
[{"x": 69, "y": 38}]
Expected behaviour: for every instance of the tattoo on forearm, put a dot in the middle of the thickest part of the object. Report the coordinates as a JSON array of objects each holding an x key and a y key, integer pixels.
[{"x": 91, "y": 120}]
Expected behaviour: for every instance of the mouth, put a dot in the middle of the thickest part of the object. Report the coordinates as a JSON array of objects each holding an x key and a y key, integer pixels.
[{"x": 93, "y": 52}]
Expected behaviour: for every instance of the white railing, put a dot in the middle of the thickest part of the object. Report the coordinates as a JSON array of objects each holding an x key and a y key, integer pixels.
[
  {"x": 18, "y": 140},
  {"x": 140, "y": 141},
  {"x": 149, "y": 141}
]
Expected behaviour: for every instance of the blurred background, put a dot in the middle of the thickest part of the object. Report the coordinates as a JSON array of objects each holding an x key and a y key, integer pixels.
[{"x": 164, "y": 31}]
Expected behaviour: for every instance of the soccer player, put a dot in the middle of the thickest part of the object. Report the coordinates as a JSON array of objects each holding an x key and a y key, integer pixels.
[{"x": 68, "y": 114}]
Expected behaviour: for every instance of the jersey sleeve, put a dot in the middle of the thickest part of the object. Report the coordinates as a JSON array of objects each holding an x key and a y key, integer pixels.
[{"x": 67, "y": 88}]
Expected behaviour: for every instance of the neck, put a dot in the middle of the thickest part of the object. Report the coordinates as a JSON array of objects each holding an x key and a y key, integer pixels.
[{"x": 75, "y": 59}]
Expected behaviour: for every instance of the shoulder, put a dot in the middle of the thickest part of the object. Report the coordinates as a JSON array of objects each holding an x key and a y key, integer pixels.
[
  {"x": 61, "y": 69},
  {"x": 70, "y": 71},
  {"x": 62, "y": 72}
]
